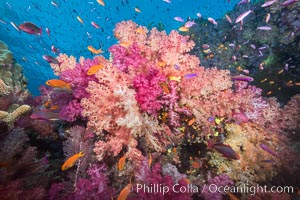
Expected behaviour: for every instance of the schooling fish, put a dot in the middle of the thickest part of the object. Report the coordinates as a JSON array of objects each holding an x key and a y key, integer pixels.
[
  {"x": 45, "y": 115},
  {"x": 48, "y": 31},
  {"x": 71, "y": 161},
  {"x": 179, "y": 19},
  {"x": 101, "y": 2},
  {"x": 268, "y": 149},
  {"x": 121, "y": 163},
  {"x": 188, "y": 76},
  {"x": 189, "y": 24},
  {"x": 56, "y": 83},
  {"x": 51, "y": 59},
  {"x": 94, "y": 69},
  {"x": 183, "y": 29},
  {"x": 288, "y": 2},
  {"x": 226, "y": 151},
  {"x": 15, "y": 26},
  {"x": 136, "y": 9},
  {"x": 80, "y": 20},
  {"x": 95, "y": 25},
  {"x": 30, "y": 28},
  {"x": 211, "y": 20},
  {"x": 94, "y": 51},
  {"x": 125, "y": 192},
  {"x": 228, "y": 19},
  {"x": 54, "y": 49},
  {"x": 242, "y": 16},
  {"x": 266, "y": 28},
  {"x": 242, "y": 78},
  {"x": 268, "y": 3}
]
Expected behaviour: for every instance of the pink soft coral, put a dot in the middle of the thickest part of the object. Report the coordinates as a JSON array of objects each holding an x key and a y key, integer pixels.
[{"x": 149, "y": 90}]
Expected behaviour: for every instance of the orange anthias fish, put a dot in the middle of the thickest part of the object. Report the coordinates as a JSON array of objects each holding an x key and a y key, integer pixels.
[
  {"x": 161, "y": 63},
  {"x": 71, "y": 161},
  {"x": 183, "y": 29},
  {"x": 94, "y": 69},
  {"x": 150, "y": 160},
  {"x": 121, "y": 163},
  {"x": 175, "y": 78},
  {"x": 140, "y": 30},
  {"x": 232, "y": 196},
  {"x": 56, "y": 83},
  {"x": 94, "y": 51},
  {"x": 125, "y": 192},
  {"x": 124, "y": 44},
  {"x": 165, "y": 88},
  {"x": 101, "y": 2},
  {"x": 191, "y": 121}
]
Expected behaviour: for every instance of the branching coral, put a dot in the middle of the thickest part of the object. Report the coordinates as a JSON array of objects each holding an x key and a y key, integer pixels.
[
  {"x": 4, "y": 89},
  {"x": 11, "y": 117}
]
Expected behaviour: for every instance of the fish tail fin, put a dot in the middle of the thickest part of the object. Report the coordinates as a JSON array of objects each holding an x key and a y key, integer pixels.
[
  {"x": 81, "y": 154},
  {"x": 69, "y": 86},
  {"x": 41, "y": 31}
]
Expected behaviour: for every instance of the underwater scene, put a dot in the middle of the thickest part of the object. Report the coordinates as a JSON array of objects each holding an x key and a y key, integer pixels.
[{"x": 150, "y": 99}]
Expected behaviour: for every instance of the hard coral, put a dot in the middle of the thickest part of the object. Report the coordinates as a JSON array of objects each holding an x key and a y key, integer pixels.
[
  {"x": 4, "y": 89},
  {"x": 12, "y": 117}
]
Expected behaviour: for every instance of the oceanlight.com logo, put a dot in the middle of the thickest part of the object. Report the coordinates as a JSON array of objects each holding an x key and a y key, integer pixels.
[
  {"x": 212, "y": 188},
  {"x": 248, "y": 189}
]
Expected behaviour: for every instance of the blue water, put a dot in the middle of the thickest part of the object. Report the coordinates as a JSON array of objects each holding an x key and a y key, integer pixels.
[{"x": 70, "y": 36}]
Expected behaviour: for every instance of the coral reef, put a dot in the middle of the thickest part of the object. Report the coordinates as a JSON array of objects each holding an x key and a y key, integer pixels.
[{"x": 151, "y": 115}]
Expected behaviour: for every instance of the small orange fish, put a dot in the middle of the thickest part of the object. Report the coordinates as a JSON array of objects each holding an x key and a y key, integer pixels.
[
  {"x": 269, "y": 93},
  {"x": 94, "y": 69},
  {"x": 164, "y": 117},
  {"x": 280, "y": 72},
  {"x": 264, "y": 80},
  {"x": 140, "y": 30},
  {"x": 190, "y": 122},
  {"x": 94, "y": 51},
  {"x": 289, "y": 83},
  {"x": 161, "y": 63},
  {"x": 101, "y": 2},
  {"x": 47, "y": 104},
  {"x": 150, "y": 160},
  {"x": 297, "y": 84},
  {"x": 121, "y": 163},
  {"x": 56, "y": 83},
  {"x": 175, "y": 78},
  {"x": 53, "y": 107},
  {"x": 183, "y": 29},
  {"x": 80, "y": 20},
  {"x": 239, "y": 68},
  {"x": 124, "y": 44},
  {"x": 174, "y": 150},
  {"x": 125, "y": 192},
  {"x": 232, "y": 196},
  {"x": 137, "y": 9},
  {"x": 196, "y": 165},
  {"x": 71, "y": 161},
  {"x": 165, "y": 88},
  {"x": 271, "y": 82}
]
